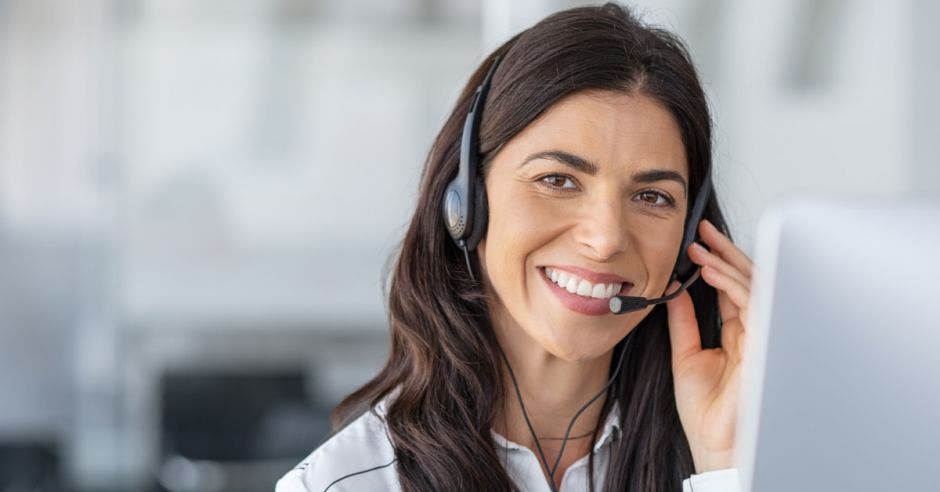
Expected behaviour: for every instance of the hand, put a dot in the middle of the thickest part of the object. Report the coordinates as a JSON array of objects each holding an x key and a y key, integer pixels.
[{"x": 707, "y": 381}]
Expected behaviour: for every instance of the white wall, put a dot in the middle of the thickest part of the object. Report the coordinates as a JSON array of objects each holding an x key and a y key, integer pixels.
[
  {"x": 823, "y": 111},
  {"x": 254, "y": 162}
]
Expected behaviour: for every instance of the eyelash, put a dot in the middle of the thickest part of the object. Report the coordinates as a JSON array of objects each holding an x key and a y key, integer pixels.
[
  {"x": 543, "y": 180},
  {"x": 669, "y": 201}
]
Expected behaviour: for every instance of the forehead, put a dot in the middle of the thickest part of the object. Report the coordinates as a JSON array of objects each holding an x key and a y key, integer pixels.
[{"x": 609, "y": 128}]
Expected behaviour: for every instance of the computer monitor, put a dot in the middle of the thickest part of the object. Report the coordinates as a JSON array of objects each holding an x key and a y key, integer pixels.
[{"x": 841, "y": 380}]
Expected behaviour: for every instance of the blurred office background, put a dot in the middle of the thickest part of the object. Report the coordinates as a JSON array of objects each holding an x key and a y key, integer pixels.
[{"x": 198, "y": 198}]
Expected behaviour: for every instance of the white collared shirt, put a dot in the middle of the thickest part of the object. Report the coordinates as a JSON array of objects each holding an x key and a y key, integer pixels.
[{"x": 360, "y": 457}]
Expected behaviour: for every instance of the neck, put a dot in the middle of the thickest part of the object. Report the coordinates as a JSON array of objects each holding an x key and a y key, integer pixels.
[{"x": 553, "y": 390}]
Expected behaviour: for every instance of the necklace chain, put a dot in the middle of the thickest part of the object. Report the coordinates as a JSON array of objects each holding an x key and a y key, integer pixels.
[{"x": 582, "y": 436}]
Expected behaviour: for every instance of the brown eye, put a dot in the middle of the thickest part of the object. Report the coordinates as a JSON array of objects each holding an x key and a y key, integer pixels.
[
  {"x": 560, "y": 182},
  {"x": 656, "y": 199}
]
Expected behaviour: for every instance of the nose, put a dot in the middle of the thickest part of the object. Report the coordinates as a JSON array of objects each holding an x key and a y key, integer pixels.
[{"x": 602, "y": 232}]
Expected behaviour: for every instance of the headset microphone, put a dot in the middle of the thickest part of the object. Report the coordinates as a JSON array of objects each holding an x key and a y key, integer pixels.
[{"x": 625, "y": 304}]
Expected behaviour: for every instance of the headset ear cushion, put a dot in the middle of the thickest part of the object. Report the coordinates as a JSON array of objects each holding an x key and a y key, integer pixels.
[{"x": 481, "y": 215}]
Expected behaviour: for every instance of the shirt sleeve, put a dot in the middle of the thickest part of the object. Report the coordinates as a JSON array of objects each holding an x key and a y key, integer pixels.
[{"x": 713, "y": 481}]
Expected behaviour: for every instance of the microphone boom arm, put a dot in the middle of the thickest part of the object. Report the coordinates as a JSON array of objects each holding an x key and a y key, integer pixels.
[{"x": 626, "y": 304}]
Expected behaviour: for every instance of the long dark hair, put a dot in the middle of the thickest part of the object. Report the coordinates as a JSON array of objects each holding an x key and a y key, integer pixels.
[{"x": 445, "y": 361}]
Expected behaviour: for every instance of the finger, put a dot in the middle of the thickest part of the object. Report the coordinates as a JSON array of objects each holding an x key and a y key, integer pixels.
[
  {"x": 742, "y": 345},
  {"x": 702, "y": 256},
  {"x": 731, "y": 327},
  {"x": 727, "y": 308},
  {"x": 732, "y": 343},
  {"x": 738, "y": 294},
  {"x": 722, "y": 245},
  {"x": 683, "y": 326}
]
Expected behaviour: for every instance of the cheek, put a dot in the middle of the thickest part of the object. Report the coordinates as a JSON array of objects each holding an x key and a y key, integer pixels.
[
  {"x": 520, "y": 217},
  {"x": 659, "y": 252},
  {"x": 519, "y": 226},
  {"x": 514, "y": 231}
]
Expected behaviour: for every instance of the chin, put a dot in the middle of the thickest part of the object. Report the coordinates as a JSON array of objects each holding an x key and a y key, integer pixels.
[
  {"x": 575, "y": 348},
  {"x": 582, "y": 342}
]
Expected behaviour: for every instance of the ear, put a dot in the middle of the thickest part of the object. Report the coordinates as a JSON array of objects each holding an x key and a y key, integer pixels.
[{"x": 481, "y": 215}]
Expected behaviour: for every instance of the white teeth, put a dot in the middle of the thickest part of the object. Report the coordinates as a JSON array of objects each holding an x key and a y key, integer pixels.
[
  {"x": 614, "y": 289},
  {"x": 572, "y": 285},
  {"x": 582, "y": 287}
]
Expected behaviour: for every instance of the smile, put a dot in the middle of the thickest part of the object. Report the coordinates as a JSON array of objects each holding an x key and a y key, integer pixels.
[
  {"x": 577, "y": 285},
  {"x": 581, "y": 295}
]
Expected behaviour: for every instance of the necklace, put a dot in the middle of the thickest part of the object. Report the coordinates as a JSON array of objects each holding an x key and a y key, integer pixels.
[{"x": 582, "y": 436}]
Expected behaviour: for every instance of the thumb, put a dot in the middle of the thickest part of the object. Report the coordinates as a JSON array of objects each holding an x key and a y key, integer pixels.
[{"x": 683, "y": 326}]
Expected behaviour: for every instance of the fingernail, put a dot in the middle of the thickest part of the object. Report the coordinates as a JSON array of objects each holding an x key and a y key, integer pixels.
[{"x": 698, "y": 246}]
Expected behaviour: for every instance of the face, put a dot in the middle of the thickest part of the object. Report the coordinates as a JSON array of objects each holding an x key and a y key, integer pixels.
[{"x": 586, "y": 202}]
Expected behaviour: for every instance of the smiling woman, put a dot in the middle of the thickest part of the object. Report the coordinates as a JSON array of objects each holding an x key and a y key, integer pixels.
[
  {"x": 508, "y": 370},
  {"x": 586, "y": 215}
]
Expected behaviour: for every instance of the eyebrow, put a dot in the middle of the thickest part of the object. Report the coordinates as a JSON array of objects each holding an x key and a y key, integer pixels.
[
  {"x": 585, "y": 166},
  {"x": 655, "y": 175},
  {"x": 571, "y": 160}
]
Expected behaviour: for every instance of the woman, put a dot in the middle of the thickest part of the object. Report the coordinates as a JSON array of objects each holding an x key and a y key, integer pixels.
[{"x": 508, "y": 370}]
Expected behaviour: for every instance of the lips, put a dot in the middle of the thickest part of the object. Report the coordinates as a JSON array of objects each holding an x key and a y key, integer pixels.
[{"x": 590, "y": 292}]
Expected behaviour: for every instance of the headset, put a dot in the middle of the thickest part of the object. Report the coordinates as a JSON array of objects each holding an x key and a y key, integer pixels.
[
  {"x": 465, "y": 207},
  {"x": 464, "y": 203}
]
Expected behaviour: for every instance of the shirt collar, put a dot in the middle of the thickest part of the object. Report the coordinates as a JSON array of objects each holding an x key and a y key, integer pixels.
[{"x": 611, "y": 430}]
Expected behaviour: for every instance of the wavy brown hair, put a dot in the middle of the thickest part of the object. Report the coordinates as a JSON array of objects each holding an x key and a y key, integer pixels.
[{"x": 445, "y": 362}]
